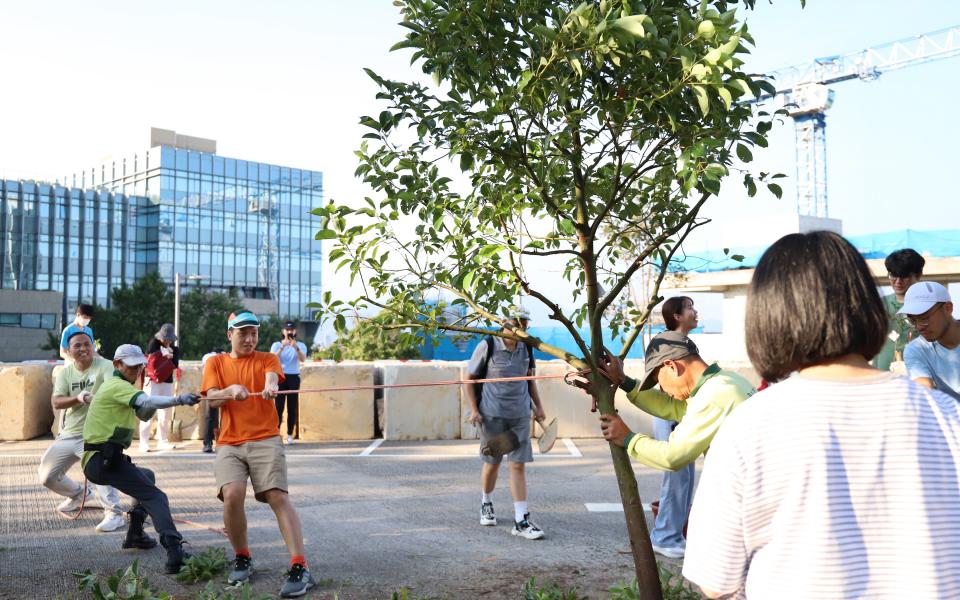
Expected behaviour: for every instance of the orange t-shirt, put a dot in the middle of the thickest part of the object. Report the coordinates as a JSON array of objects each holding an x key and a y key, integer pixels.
[{"x": 254, "y": 418}]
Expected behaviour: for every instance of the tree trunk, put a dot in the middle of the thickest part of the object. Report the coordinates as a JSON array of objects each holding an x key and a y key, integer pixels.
[{"x": 644, "y": 562}]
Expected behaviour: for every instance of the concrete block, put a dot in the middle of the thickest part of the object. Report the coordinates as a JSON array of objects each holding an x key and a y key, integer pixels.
[
  {"x": 25, "y": 409},
  {"x": 336, "y": 415},
  {"x": 420, "y": 413}
]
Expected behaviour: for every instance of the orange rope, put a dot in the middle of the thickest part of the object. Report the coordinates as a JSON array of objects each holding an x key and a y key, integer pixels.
[{"x": 83, "y": 501}]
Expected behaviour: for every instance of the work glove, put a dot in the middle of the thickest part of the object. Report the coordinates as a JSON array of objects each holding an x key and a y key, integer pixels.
[
  {"x": 85, "y": 397},
  {"x": 188, "y": 399}
]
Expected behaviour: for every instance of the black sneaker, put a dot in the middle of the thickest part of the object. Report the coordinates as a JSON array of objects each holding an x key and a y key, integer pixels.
[
  {"x": 527, "y": 529},
  {"x": 299, "y": 580},
  {"x": 208, "y": 448},
  {"x": 487, "y": 516},
  {"x": 242, "y": 569}
]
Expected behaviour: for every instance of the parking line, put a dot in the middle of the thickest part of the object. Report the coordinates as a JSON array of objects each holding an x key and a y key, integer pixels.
[
  {"x": 369, "y": 449},
  {"x": 574, "y": 451}
]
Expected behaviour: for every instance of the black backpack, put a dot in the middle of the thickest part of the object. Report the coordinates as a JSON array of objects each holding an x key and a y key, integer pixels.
[{"x": 482, "y": 373}]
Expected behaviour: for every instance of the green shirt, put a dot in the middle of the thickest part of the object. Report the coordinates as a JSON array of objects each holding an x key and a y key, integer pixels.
[
  {"x": 899, "y": 327},
  {"x": 70, "y": 381},
  {"x": 112, "y": 416},
  {"x": 714, "y": 397}
]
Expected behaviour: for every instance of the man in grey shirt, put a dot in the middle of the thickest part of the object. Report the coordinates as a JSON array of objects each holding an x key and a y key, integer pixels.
[{"x": 505, "y": 406}]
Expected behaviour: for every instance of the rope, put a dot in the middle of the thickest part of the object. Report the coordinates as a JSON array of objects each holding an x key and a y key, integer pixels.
[{"x": 83, "y": 502}]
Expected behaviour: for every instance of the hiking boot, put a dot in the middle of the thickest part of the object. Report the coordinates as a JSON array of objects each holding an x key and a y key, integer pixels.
[
  {"x": 175, "y": 554},
  {"x": 299, "y": 580},
  {"x": 527, "y": 529},
  {"x": 136, "y": 536},
  {"x": 72, "y": 504},
  {"x": 487, "y": 516},
  {"x": 242, "y": 569}
]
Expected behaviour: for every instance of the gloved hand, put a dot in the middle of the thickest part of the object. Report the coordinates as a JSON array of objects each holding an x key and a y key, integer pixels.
[
  {"x": 188, "y": 399},
  {"x": 85, "y": 397}
]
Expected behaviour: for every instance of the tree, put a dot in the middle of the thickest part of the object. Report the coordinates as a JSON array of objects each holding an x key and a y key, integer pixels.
[
  {"x": 371, "y": 340},
  {"x": 584, "y": 129}
]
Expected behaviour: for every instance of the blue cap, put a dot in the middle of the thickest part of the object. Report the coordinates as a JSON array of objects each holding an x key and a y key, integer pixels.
[{"x": 242, "y": 319}]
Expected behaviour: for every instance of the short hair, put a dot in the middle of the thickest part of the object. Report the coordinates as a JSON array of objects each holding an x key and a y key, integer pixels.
[
  {"x": 671, "y": 308},
  {"x": 811, "y": 299},
  {"x": 85, "y": 310},
  {"x": 904, "y": 263},
  {"x": 74, "y": 333}
]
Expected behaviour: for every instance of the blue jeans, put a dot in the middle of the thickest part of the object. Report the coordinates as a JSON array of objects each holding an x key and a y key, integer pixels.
[{"x": 676, "y": 496}]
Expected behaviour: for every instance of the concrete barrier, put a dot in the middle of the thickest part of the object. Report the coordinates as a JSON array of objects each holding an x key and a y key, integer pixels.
[
  {"x": 25, "y": 409},
  {"x": 336, "y": 415},
  {"x": 421, "y": 413}
]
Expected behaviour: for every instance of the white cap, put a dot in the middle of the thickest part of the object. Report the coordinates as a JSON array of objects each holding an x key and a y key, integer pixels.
[
  {"x": 922, "y": 296},
  {"x": 130, "y": 355},
  {"x": 519, "y": 312}
]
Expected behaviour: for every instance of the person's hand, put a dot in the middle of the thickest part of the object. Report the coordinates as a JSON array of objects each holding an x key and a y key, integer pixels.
[
  {"x": 85, "y": 397},
  {"x": 167, "y": 352},
  {"x": 269, "y": 391},
  {"x": 538, "y": 414},
  {"x": 612, "y": 368},
  {"x": 188, "y": 399},
  {"x": 238, "y": 392},
  {"x": 475, "y": 417},
  {"x": 614, "y": 429}
]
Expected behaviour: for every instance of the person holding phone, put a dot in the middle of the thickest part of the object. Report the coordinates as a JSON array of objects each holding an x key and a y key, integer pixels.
[{"x": 291, "y": 353}]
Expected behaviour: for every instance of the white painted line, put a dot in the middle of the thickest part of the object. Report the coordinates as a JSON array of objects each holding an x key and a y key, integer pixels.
[
  {"x": 608, "y": 507},
  {"x": 574, "y": 451},
  {"x": 369, "y": 449}
]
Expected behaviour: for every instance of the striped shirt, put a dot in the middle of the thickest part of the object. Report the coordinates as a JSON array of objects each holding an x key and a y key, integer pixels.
[{"x": 823, "y": 488}]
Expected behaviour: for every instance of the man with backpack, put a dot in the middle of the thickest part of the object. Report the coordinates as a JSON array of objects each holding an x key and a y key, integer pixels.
[{"x": 498, "y": 407}]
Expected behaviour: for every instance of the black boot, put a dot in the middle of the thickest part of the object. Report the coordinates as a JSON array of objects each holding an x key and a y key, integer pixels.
[
  {"x": 175, "y": 553},
  {"x": 136, "y": 537}
]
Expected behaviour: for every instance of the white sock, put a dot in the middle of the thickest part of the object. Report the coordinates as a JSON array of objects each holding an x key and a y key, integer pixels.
[
  {"x": 487, "y": 498},
  {"x": 519, "y": 510}
]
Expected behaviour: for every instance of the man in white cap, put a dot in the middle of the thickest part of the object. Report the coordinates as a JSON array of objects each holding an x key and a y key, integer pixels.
[
  {"x": 73, "y": 389},
  {"x": 108, "y": 431},
  {"x": 933, "y": 359}
]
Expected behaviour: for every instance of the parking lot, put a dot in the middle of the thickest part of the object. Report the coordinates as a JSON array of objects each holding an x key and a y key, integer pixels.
[{"x": 376, "y": 516}]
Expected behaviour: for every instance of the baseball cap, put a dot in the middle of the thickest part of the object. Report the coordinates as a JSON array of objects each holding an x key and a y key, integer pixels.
[
  {"x": 922, "y": 296},
  {"x": 242, "y": 319},
  {"x": 289, "y": 325},
  {"x": 130, "y": 355},
  {"x": 667, "y": 345},
  {"x": 519, "y": 312}
]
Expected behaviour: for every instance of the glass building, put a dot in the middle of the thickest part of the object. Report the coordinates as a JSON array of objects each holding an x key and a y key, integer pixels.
[
  {"x": 79, "y": 242},
  {"x": 238, "y": 224}
]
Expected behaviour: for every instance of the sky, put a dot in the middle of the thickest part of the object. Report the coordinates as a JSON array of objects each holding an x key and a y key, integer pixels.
[{"x": 282, "y": 82}]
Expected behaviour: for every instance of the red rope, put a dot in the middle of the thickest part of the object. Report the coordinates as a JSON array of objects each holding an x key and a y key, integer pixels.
[{"x": 83, "y": 501}]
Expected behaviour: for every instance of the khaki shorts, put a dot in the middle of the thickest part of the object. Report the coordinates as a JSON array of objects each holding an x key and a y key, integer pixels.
[{"x": 263, "y": 461}]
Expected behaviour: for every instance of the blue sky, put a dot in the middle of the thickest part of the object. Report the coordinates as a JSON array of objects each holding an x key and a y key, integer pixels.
[{"x": 282, "y": 82}]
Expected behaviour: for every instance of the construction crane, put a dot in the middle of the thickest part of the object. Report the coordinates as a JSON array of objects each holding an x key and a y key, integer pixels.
[{"x": 803, "y": 91}]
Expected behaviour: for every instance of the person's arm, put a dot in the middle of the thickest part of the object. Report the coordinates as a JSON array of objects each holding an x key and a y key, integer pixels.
[
  {"x": 473, "y": 369},
  {"x": 270, "y": 385},
  {"x": 276, "y": 348},
  {"x": 654, "y": 402},
  {"x": 535, "y": 396},
  {"x": 301, "y": 354},
  {"x": 219, "y": 397},
  {"x": 918, "y": 368},
  {"x": 145, "y": 406}
]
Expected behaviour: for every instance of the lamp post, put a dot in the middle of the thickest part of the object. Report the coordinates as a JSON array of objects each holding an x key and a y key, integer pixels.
[{"x": 176, "y": 303}]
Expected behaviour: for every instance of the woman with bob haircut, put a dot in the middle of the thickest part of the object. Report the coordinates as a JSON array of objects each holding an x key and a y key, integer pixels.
[{"x": 841, "y": 481}]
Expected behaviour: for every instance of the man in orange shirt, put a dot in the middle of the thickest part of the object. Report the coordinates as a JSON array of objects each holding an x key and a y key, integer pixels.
[{"x": 243, "y": 384}]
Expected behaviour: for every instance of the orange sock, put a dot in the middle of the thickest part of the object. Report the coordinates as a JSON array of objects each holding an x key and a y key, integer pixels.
[
  {"x": 294, "y": 560},
  {"x": 244, "y": 552}
]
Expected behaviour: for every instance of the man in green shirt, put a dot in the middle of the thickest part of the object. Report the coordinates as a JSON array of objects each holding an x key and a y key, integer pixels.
[
  {"x": 904, "y": 268},
  {"x": 73, "y": 389},
  {"x": 108, "y": 431},
  {"x": 698, "y": 395}
]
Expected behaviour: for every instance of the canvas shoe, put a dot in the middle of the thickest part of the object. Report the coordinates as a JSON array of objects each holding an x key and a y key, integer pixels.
[
  {"x": 527, "y": 529},
  {"x": 72, "y": 504},
  {"x": 111, "y": 522},
  {"x": 165, "y": 446},
  {"x": 242, "y": 569},
  {"x": 670, "y": 551},
  {"x": 299, "y": 580},
  {"x": 487, "y": 516}
]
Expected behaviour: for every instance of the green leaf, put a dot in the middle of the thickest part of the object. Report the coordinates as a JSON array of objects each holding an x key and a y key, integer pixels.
[
  {"x": 726, "y": 96},
  {"x": 775, "y": 189},
  {"x": 706, "y": 29},
  {"x": 743, "y": 153},
  {"x": 632, "y": 24},
  {"x": 702, "y": 99},
  {"x": 325, "y": 234},
  {"x": 466, "y": 161}
]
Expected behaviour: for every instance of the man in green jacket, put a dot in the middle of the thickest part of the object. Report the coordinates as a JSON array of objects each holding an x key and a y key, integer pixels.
[{"x": 697, "y": 395}]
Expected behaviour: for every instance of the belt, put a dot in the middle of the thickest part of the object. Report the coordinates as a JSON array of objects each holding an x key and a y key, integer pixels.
[{"x": 93, "y": 447}]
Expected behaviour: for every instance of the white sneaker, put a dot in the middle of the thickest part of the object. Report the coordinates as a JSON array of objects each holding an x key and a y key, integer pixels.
[
  {"x": 72, "y": 504},
  {"x": 144, "y": 447},
  {"x": 527, "y": 529},
  {"x": 165, "y": 446},
  {"x": 670, "y": 551},
  {"x": 487, "y": 516},
  {"x": 111, "y": 522},
  {"x": 289, "y": 439}
]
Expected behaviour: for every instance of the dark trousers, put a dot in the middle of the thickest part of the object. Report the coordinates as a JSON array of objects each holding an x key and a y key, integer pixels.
[
  {"x": 290, "y": 382},
  {"x": 213, "y": 422},
  {"x": 139, "y": 484}
]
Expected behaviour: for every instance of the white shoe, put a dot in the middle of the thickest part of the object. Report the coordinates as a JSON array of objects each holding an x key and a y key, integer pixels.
[
  {"x": 111, "y": 522},
  {"x": 289, "y": 439},
  {"x": 72, "y": 504},
  {"x": 165, "y": 446},
  {"x": 670, "y": 551},
  {"x": 144, "y": 447},
  {"x": 527, "y": 529}
]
